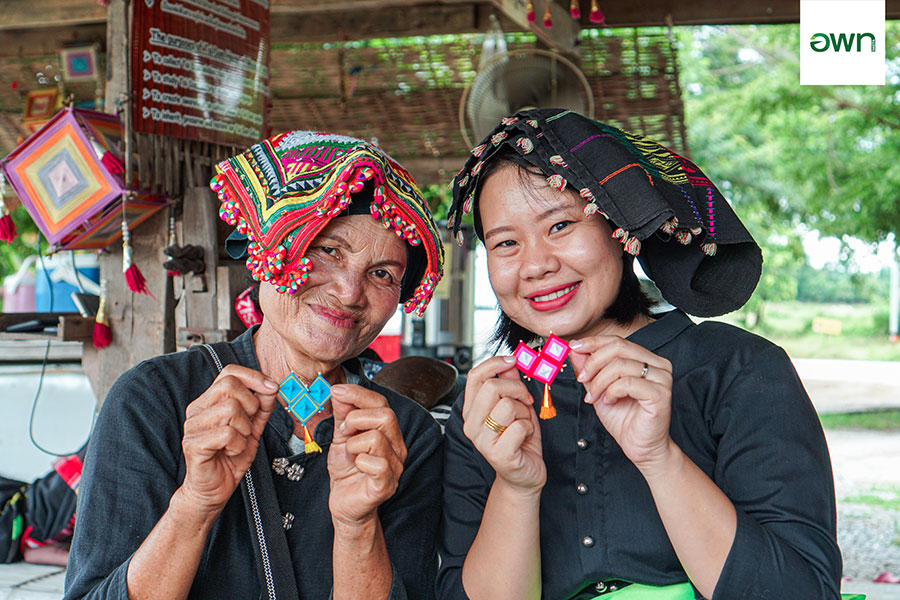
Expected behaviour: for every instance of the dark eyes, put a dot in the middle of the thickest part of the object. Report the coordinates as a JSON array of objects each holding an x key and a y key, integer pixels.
[
  {"x": 384, "y": 275},
  {"x": 560, "y": 226},
  {"x": 556, "y": 227}
]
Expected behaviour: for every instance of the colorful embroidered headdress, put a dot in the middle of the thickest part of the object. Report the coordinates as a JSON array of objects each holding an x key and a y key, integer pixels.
[
  {"x": 283, "y": 191},
  {"x": 661, "y": 206}
]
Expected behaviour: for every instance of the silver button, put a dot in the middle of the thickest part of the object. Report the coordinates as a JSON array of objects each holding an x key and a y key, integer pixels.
[
  {"x": 294, "y": 472},
  {"x": 582, "y": 444},
  {"x": 287, "y": 521},
  {"x": 582, "y": 488},
  {"x": 587, "y": 541},
  {"x": 279, "y": 465}
]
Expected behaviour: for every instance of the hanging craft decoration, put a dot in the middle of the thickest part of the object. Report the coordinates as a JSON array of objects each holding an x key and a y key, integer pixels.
[
  {"x": 7, "y": 226},
  {"x": 596, "y": 15},
  {"x": 575, "y": 9},
  {"x": 102, "y": 335},
  {"x": 305, "y": 401},
  {"x": 543, "y": 365},
  {"x": 79, "y": 63},
  {"x": 67, "y": 178},
  {"x": 39, "y": 107}
]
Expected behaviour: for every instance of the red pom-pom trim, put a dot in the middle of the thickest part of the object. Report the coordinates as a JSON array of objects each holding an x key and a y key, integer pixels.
[{"x": 597, "y": 16}]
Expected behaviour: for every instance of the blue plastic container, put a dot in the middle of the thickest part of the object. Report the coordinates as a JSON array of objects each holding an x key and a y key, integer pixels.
[{"x": 61, "y": 264}]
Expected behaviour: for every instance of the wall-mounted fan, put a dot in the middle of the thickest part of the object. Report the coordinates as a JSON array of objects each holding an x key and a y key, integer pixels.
[{"x": 519, "y": 80}]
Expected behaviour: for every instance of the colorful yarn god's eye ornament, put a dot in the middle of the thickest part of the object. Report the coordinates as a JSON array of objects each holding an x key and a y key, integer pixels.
[
  {"x": 305, "y": 401},
  {"x": 543, "y": 365}
]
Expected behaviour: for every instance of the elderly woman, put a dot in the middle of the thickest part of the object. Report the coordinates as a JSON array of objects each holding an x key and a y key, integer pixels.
[
  {"x": 202, "y": 481},
  {"x": 684, "y": 460}
]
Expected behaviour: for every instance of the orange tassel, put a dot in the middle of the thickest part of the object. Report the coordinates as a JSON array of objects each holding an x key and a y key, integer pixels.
[
  {"x": 548, "y": 18},
  {"x": 548, "y": 411},
  {"x": 310, "y": 444},
  {"x": 102, "y": 336}
]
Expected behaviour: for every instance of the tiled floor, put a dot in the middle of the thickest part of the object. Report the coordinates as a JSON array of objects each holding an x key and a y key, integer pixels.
[{"x": 20, "y": 581}]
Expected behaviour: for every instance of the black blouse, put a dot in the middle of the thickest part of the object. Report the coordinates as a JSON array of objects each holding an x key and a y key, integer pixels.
[
  {"x": 739, "y": 411},
  {"x": 135, "y": 463}
]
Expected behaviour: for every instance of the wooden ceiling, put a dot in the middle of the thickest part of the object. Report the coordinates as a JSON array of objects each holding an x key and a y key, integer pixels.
[{"x": 333, "y": 20}]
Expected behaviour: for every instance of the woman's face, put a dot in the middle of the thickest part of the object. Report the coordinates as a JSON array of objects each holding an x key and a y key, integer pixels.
[
  {"x": 352, "y": 291},
  {"x": 552, "y": 268}
]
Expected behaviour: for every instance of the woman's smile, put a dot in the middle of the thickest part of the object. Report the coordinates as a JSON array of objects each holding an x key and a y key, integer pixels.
[{"x": 553, "y": 298}]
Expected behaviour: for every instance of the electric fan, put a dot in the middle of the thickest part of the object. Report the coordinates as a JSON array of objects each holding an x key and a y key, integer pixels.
[{"x": 520, "y": 80}]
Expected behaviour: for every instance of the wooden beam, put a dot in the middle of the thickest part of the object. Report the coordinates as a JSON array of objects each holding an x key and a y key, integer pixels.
[
  {"x": 306, "y": 7},
  {"x": 562, "y": 36},
  {"x": 38, "y": 42},
  {"x": 434, "y": 19},
  {"x": 44, "y": 14}
]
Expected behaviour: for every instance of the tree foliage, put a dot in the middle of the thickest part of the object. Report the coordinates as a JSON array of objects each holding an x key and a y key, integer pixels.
[{"x": 786, "y": 154}]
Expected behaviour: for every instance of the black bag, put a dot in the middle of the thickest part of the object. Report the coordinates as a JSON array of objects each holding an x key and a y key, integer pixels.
[{"x": 12, "y": 518}]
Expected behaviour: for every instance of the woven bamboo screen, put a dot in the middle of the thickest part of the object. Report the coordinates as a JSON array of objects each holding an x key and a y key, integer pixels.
[{"x": 405, "y": 92}]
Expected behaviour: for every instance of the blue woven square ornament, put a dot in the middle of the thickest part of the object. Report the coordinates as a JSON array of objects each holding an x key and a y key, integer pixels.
[{"x": 303, "y": 402}]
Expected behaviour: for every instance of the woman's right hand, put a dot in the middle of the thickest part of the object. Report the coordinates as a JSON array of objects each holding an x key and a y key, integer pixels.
[
  {"x": 495, "y": 389},
  {"x": 221, "y": 434}
]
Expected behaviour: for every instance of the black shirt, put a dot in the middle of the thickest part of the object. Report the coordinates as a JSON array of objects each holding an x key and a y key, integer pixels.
[
  {"x": 135, "y": 463},
  {"x": 739, "y": 411}
]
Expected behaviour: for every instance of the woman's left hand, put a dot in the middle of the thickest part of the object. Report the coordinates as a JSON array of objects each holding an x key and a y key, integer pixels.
[
  {"x": 630, "y": 389},
  {"x": 366, "y": 456}
]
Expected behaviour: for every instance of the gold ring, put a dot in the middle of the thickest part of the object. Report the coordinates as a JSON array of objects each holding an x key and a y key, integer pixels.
[
  {"x": 494, "y": 425},
  {"x": 645, "y": 371}
]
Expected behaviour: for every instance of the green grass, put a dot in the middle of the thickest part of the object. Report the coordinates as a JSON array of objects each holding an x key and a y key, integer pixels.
[
  {"x": 879, "y": 420},
  {"x": 864, "y": 334},
  {"x": 886, "y": 497}
]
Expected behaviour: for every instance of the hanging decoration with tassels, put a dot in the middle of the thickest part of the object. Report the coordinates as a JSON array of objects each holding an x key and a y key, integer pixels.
[
  {"x": 69, "y": 178},
  {"x": 304, "y": 401},
  {"x": 548, "y": 18},
  {"x": 529, "y": 11},
  {"x": 7, "y": 225},
  {"x": 102, "y": 336},
  {"x": 133, "y": 276},
  {"x": 543, "y": 365},
  {"x": 596, "y": 15},
  {"x": 575, "y": 9}
]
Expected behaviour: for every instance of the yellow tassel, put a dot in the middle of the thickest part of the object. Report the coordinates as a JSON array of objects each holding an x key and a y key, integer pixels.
[
  {"x": 311, "y": 445},
  {"x": 548, "y": 411}
]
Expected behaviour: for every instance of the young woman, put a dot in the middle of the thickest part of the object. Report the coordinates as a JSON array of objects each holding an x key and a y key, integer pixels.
[{"x": 684, "y": 460}]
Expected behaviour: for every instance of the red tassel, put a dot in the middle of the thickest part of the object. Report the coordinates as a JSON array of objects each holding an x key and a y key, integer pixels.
[
  {"x": 7, "y": 229},
  {"x": 102, "y": 336},
  {"x": 575, "y": 9},
  {"x": 113, "y": 164},
  {"x": 530, "y": 12},
  {"x": 135, "y": 280},
  {"x": 597, "y": 14},
  {"x": 548, "y": 18}
]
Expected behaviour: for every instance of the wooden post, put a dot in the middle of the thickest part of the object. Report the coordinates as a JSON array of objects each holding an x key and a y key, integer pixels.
[{"x": 137, "y": 320}]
